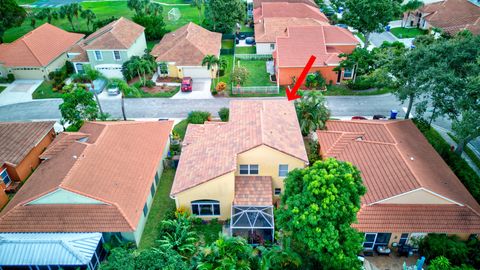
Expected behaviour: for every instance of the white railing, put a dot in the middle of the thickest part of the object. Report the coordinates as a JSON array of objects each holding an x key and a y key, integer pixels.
[
  {"x": 255, "y": 89},
  {"x": 253, "y": 56}
]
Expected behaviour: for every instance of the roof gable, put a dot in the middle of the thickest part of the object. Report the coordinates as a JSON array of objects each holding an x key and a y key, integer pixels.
[
  {"x": 119, "y": 34},
  {"x": 62, "y": 196},
  {"x": 453, "y": 15}
]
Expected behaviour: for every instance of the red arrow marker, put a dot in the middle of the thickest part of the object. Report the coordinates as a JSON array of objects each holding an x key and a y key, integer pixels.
[{"x": 292, "y": 93}]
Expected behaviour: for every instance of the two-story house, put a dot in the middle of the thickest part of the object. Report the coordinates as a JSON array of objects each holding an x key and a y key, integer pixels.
[
  {"x": 109, "y": 47},
  {"x": 92, "y": 185},
  {"x": 235, "y": 170}
]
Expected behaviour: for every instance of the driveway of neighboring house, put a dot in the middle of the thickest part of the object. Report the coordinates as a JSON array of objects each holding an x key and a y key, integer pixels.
[
  {"x": 200, "y": 90},
  {"x": 378, "y": 38},
  {"x": 19, "y": 91}
]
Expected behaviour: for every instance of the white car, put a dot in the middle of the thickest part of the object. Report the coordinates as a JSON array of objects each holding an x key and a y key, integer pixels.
[{"x": 113, "y": 90}]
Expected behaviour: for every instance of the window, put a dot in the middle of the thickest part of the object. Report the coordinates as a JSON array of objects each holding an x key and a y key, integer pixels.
[
  {"x": 156, "y": 178},
  {"x": 116, "y": 55},
  {"x": 152, "y": 190},
  {"x": 282, "y": 170},
  {"x": 163, "y": 69},
  {"x": 249, "y": 169},
  {"x": 403, "y": 239},
  {"x": 348, "y": 73},
  {"x": 206, "y": 208},
  {"x": 98, "y": 55},
  {"x": 272, "y": 46},
  {"x": 79, "y": 67},
  {"x": 5, "y": 177},
  {"x": 369, "y": 240},
  {"x": 278, "y": 191},
  {"x": 145, "y": 210}
]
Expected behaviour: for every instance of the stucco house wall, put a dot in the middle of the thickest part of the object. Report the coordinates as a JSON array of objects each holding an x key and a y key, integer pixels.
[
  {"x": 36, "y": 73},
  {"x": 285, "y": 74},
  {"x": 265, "y": 48},
  {"x": 138, "y": 48}
]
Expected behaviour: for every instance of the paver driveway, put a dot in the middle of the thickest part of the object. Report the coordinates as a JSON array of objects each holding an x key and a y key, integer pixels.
[{"x": 200, "y": 90}]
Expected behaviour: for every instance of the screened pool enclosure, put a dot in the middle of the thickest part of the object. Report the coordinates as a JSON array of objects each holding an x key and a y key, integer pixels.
[{"x": 254, "y": 223}]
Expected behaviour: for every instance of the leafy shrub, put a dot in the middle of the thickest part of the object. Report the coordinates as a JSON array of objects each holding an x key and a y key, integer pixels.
[
  {"x": 221, "y": 86},
  {"x": 451, "y": 247},
  {"x": 315, "y": 80},
  {"x": 69, "y": 68},
  {"x": 149, "y": 83},
  {"x": 361, "y": 83},
  {"x": 224, "y": 114},
  {"x": 198, "y": 117},
  {"x": 214, "y": 92},
  {"x": 313, "y": 151},
  {"x": 9, "y": 79},
  {"x": 154, "y": 25}
]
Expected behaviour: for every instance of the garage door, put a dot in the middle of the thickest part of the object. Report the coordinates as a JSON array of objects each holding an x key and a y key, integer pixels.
[
  {"x": 110, "y": 70},
  {"x": 196, "y": 72}
]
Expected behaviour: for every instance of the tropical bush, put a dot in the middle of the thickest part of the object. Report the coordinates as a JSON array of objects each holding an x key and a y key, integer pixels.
[
  {"x": 239, "y": 75},
  {"x": 315, "y": 81},
  {"x": 221, "y": 86},
  {"x": 312, "y": 112},
  {"x": 9, "y": 79},
  {"x": 224, "y": 114},
  {"x": 451, "y": 247},
  {"x": 198, "y": 117}
]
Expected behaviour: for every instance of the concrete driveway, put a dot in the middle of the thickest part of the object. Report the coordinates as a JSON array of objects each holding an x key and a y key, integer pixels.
[
  {"x": 200, "y": 90},
  {"x": 19, "y": 91}
]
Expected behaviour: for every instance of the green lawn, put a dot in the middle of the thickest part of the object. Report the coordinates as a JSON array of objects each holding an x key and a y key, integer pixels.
[
  {"x": 258, "y": 75},
  {"x": 181, "y": 128},
  {"x": 341, "y": 90},
  {"x": 227, "y": 44},
  {"x": 208, "y": 233},
  {"x": 226, "y": 76},
  {"x": 361, "y": 36},
  {"x": 26, "y": 2},
  {"x": 246, "y": 50},
  {"x": 161, "y": 204},
  {"x": 105, "y": 10},
  {"x": 245, "y": 28},
  {"x": 171, "y": 1},
  {"x": 45, "y": 90},
  {"x": 401, "y": 32},
  {"x": 2, "y": 88}
]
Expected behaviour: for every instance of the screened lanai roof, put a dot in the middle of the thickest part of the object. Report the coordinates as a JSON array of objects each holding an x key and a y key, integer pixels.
[
  {"x": 252, "y": 217},
  {"x": 19, "y": 249}
]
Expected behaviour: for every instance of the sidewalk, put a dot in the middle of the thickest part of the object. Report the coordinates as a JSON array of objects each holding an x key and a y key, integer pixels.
[{"x": 444, "y": 133}]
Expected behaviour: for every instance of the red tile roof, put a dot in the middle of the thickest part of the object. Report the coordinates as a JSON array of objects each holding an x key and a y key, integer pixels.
[
  {"x": 270, "y": 28},
  {"x": 119, "y": 34},
  {"x": 210, "y": 150},
  {"x": 295, "y": 49},
  {"x": 453, "y": 15},
  {"x": 38, "y": 48},
  {"x": 258, "y": 3},
  {"x": 115, "y": 166},
  {"x": 18, "y": 139},
  {"x": 253, "y": 190},
  {"x": 394, "y": 158},
  {"x": 188, "y": 45},
  {"x": 285, "y": 9}
]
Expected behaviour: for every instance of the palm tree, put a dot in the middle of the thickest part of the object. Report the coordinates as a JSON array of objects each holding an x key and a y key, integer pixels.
[
  {"x": 70, "y": 11},
  {"x": 153, "y": 9},
  {"x": 91, "y": 75},
  {"x": 311, "y": 112},
  {"x": 90, "y": 16},
  {"x": 47, "y": 13},
  {"x": 210, "y": 61}
]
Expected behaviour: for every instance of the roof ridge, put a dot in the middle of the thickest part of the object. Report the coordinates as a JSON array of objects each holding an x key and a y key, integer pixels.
[
  {"x": 123, "y": 215},
  {"x": 70, "y": 249},
  {"x": 29, "y": 49}
]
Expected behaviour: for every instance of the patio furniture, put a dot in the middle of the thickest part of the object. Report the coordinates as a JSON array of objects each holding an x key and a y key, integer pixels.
[
  {"x": 383, "y": 250},
  {"x": 405, "y": 250}
]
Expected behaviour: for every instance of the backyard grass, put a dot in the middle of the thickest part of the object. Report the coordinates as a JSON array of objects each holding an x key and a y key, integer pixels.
[
  {"x": 172, "y": 1},
  {"x": 2, "y": 88},
  {"x": 181, "y": 128},
  {"x": 227, "y": 44},
  {"x": 258, "y": 75},
  {"x": 26, "y": 2},
  {"x": 401, "y": 32},
  {"x": 341, "y": 90},
  {"x": 246, "y": 50},
  {"x": 161, "y": 204},
  {"x": 45, "y": 90},
  {"x": 361, "y": 36},
  {"x": 245, "y": 28}
]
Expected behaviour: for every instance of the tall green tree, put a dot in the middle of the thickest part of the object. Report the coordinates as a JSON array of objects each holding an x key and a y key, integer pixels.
[
  {"x": 47, "y": 13},
  {"x": 312, "y": 112},
  {"x": 211, "y": 61},
  {"x": 368, "y": 16},
  {"x": 198, "y": 4},
  {"x": 78, "y": 106},
  {"x": 223, "y": 15},
  {"x": 92, "y": 75},
  {"x": 317, "y": 209},
  {"x": 154, "y": 25},
  {"x": 71, "y": 12},
  {"x": 11, "y": 15},
  {"x": 89, "y": 16}
]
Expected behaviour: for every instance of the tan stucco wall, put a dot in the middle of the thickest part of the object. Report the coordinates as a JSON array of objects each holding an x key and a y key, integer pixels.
[
  {"x": 417, "y": 197},
  {"x": 221, "y": 189},
  {"x": 40, "y": 73},
  {"x": 56, "y": 64},
  {"x": 173, "y": 71},
  {"x": 268, "y": 160}
]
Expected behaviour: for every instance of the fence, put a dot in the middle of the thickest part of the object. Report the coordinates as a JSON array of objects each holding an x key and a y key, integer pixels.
[
  {"x": 255, "y": 90},
  {"x": 253, "y": 56}
]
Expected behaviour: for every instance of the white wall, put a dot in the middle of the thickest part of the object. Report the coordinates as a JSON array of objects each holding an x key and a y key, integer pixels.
[
  {"x": 264, "y": 48},
  {"x": 138, "y": 48}
]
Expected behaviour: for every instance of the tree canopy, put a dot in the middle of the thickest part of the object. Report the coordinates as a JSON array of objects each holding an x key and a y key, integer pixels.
[
  {"x": 11, "y": 15},
  {"x": 312, "y": 112},
  {"x": 317, "y": 209},
  {"x": 78, "y": 106},
  {"x": 223, "y": 15}
]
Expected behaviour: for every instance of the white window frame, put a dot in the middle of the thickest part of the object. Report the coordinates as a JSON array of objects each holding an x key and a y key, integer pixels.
[
  {"x": 96, "y": 56},
  {"x": 10, "y": 178},
  {"x": 249, "y": 169},
  {"x": 404, "y": 238},
  {"x": 115, "y": 57},
  {"x": 211, "y": 203},
  {"x": 145, "y": 210},
  {"x": 280, "y": 170}
]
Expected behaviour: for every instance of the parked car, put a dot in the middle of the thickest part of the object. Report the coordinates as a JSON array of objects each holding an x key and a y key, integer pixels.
[
  {"x": 342, "y": 25},
  {"x": 250, "y": 41},
  {"x": 187, "y": 84},
  {"x": 112, "y": 89},
  {"x": 379, "y": 117},
  {"x": 98, "y": 86},
  {"x": 359, "y": 118}
]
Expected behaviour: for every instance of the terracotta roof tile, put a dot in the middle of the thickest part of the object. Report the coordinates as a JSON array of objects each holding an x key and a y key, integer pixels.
[
  {"x": 270, "y": 28},
  {"x": 128, "y": 154},
  {"x": 258, "y": 3},
  {"x": 418, "y": 218},
  {"x": 253, "y": 190},
  {"x": 18, "y": 139},
  {"x": 210, "y": 150},
  {"x": 295, "y": 49},
  {"x": 61, "y": 142},
  {"x": 188, "y": 45},
  {"x": 119, "y": 34},
  {"x": 286, "y": 9},
  {"x": 39, "y": 47}
]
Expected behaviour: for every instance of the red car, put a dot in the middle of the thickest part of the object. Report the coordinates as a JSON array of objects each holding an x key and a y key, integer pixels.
[
  {"x": 358, "y": 118},
  {"x": 187, "y": 84}
]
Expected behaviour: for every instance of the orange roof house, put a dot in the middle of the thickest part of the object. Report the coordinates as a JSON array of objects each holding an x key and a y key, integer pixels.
[
  {"x": 258, "y": 3},
  {"x": 325, "y": 42},
  {"x": 100, "y": 179},
  {"x": 37, "y": 53},
  {"x": 451, "y": 16},
  {"x": 184, "y": 49},
  {"x": 410, "y": 189},
  {"x": 228, "y": 169}
]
